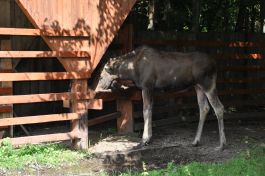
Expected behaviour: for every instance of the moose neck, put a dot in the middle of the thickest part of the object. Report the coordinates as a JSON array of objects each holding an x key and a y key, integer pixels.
[
  {"x": 126, "y": 69},
  {"x": 124, "y": 66}
]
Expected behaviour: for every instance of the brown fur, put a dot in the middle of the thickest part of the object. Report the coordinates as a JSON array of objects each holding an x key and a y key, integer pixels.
[{"x": 151, "y": 69}]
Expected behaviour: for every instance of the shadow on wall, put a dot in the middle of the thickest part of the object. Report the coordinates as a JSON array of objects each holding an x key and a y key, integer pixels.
[{"x": 92, "y": 34}]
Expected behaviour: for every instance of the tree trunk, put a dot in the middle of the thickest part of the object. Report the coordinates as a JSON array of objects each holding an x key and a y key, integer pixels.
[
  {"x": 262, "y": 16},
  {"x": 195, "y": 16},
  {"x": 241, "y": 18},
  {"x": 151, "y": 14},
  {"x": 195, "y": 21}
]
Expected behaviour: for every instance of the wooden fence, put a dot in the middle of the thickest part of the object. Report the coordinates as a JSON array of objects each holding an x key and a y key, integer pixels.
[
  {"x": 78, "y": 43},
  {"x": 20, "y": 99},
  {"x": 241, "y": 74}
]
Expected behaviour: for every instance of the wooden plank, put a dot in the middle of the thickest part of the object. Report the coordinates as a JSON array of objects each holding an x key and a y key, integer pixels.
[
  {"x": 233, "y": 116},
  {"x": 104, "y": 118},
  {"x": 33, "y": 98},
  {"x": 136, "y": 95},
  {"x": 101, "y": 24},
  {"x": 38, "y": 119},
  {"x": 43, "y": 138},
  {"x": 6, "y": 90},
  {"x": 194, "y": 106},
  {"x": 6, "y": 71},
  {"x": 192, "y": 93},
  {"x": 237, "y": 56},
  {"x": 5, "y": 109},
  {"x": 132, "y": 94},
  {"x": 44, "y": 54},
  {"x": 39, "y": 32},
  {"x": 35, "y": 76},
  {"x": 79, "y": 126},
  {"x": 125, "y": 123},
  {"x": 241, "y": 80},
  {"x": 242, "y": 91},
  {"x": 89, "y": 104},
  {"x": 181, "y": 43},
  {"x": 243, "y": 68}
]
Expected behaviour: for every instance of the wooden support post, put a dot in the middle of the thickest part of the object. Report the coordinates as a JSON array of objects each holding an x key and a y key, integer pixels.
[
  {"x": 80, "y": 126},
  {"x": 125, "y": 106},
  {"x": 125, "y": 121}
]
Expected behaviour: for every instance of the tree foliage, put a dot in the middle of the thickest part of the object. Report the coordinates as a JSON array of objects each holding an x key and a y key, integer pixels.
[{"x": 214, "y": 15}]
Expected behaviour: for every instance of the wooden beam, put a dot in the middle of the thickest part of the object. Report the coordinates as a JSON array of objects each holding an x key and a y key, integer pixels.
[
  {"x": 43, "y": 138},
  {"x": 242, "y": 91},
  {"x": 89, "y": 104},
  {"x": 96, "y": 104},
  {"x": 241, "y": 80},
  {"x": 6, "y": 71},
  {"x": 237, "y": 56},
  {"x": 44, "y": 54},
  {"x": 191, "y": 93},
  {"x": 243, "y": 68},
  {"x": 6, "y": 90},
  {"x": 181, "y": 43},
  {"x": 5, "y": 109},
  {"x": 132, "y": 94},
  {"x": 35, "y": 76},
  {"x": 104, "y": 118},
  {"x": 251, "y": 116},
  {"x": 80, "y": 126},
  {"x": 125, "y": 123},
  {"x": 16, "y": 99},
  {"x": 39, "y": 32},
  {"x": 38, "y": 119}
]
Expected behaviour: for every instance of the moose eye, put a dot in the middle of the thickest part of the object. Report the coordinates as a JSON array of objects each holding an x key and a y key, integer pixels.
[{"x": 108, "y": 70}]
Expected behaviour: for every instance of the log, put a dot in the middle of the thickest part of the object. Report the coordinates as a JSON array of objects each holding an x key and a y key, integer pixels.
[
  {"x": 38, "y": 119},
  {"x": 39, "y": 32},
  {"x": 104, "y": 118},
  {"x": 36, "y": 76},
  {"x": 43, "y": 138},
  {"x": 44, "y": 54},
  {"x": 33, "y": 98}
]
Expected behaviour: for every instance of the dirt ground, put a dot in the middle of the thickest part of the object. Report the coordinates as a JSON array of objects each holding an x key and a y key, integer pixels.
[{"x": 117, "y": 153}]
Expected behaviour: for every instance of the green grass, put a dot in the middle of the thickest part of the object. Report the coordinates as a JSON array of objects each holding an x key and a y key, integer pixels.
[
  {"x": 248, "y": 163},
  {"x": 43, "y": 155}
]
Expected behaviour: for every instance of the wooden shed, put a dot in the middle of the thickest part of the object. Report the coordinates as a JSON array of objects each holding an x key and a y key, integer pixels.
[
  {"x": 77, "y": 34},
  {"x": 49, "y": 49}
]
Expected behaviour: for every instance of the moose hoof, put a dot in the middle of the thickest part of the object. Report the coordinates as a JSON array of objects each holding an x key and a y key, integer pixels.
[
  {"x": 195, "y": 143},
  {"x": 145, "y": 143},
  {"x": 220, "y": 148}
]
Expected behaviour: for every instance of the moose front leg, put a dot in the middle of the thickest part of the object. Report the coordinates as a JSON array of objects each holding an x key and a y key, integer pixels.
[{"x": 147, "y": 113}]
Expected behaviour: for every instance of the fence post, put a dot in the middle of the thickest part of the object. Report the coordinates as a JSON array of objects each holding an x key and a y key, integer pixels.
[
  {"x": 80, "y": 126},
  {"x": 125, "y": 122}
]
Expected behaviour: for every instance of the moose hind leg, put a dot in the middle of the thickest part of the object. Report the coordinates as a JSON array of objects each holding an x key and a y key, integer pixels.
[
  {"x": 204, "y": 109},
  {"x": 219, "y": 111},
  {"x": 147, "y": 113}
]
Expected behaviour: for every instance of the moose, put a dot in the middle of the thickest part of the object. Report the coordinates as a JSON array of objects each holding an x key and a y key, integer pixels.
[{"x": 151, "y": 69}]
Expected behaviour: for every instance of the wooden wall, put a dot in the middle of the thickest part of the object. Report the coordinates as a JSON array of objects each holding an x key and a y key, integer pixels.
[
  {"x": 240, "y": 61},
  {"x": 5, "y": 64},
  {"x": 27, "y": 43}
]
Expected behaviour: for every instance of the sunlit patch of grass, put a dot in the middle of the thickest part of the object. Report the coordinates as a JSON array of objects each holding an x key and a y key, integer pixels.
[
  {"x": 43, "y": 155},
  {"x": 249, "y": 163}
]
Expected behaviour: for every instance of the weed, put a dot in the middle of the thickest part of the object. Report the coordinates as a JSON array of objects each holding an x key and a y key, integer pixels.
[
  {"x": 43, "y": 155},
  {"x": 250, "y": 163}
]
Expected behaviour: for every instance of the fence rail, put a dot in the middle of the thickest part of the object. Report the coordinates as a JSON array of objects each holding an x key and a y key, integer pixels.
[
  {"x": 37, "y": 76},
  {"x": 39, "y": 32}
]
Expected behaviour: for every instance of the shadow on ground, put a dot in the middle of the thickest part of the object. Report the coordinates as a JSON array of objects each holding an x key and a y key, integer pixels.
[{"x": 117, "y": 153}]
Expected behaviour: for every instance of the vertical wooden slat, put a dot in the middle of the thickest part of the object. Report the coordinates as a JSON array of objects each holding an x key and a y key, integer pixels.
[
  {"x": 5, "y": 64},
  {"x": 125, "y": 122},
  {"x": 79, "y": 126}
]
